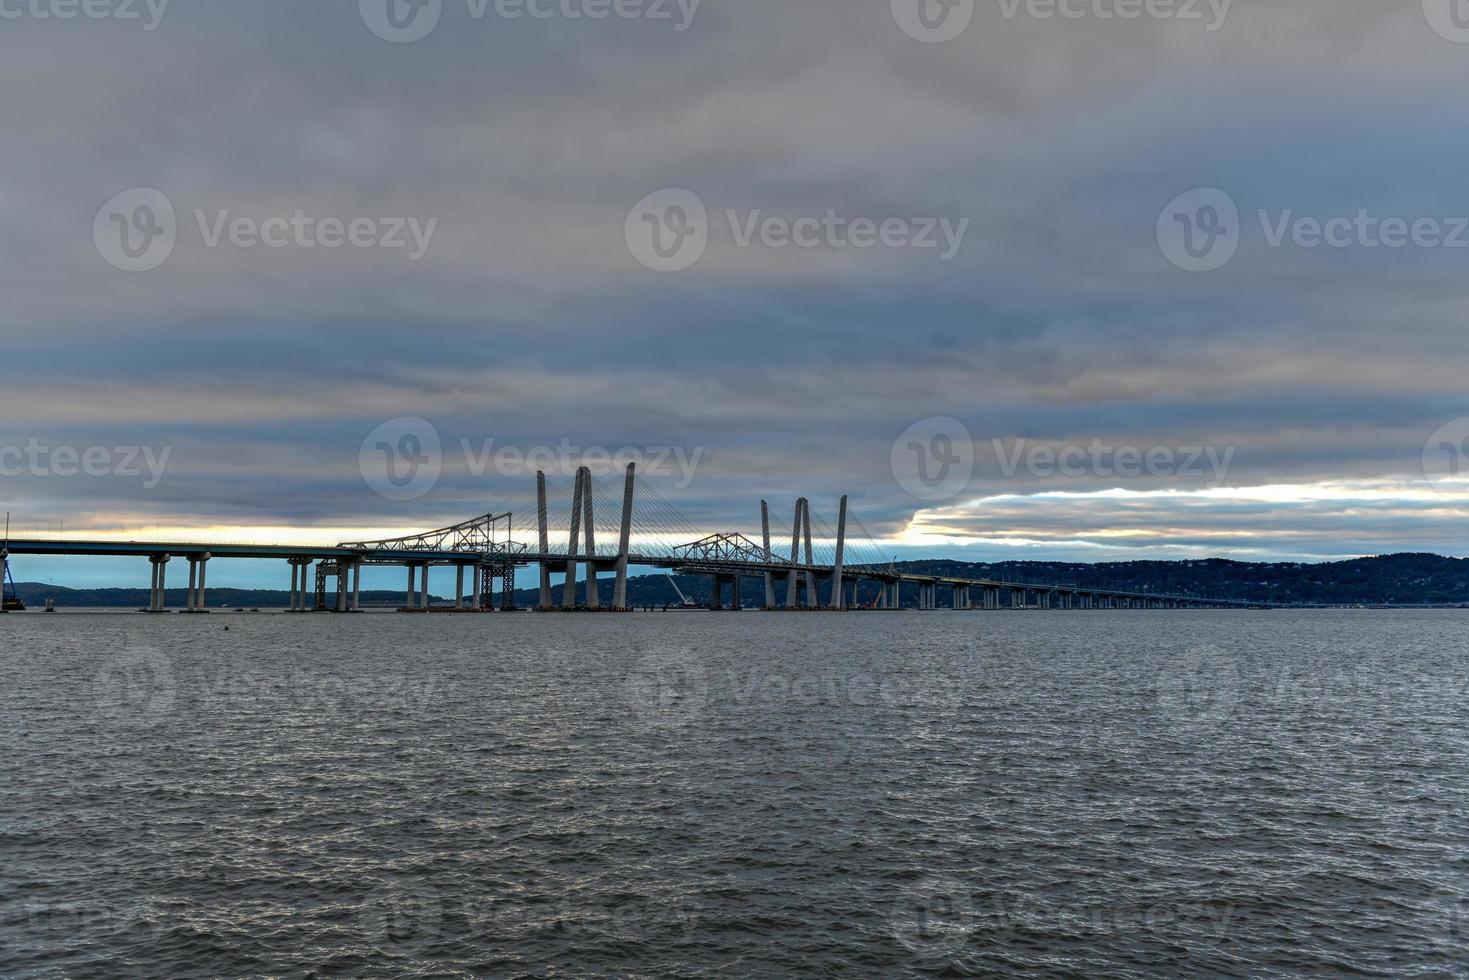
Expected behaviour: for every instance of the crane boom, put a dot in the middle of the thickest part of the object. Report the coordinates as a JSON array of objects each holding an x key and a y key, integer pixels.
[{"x": 683, "y": 600}]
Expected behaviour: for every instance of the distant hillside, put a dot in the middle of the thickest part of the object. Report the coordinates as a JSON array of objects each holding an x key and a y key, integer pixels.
[{"x": 1409, "y": 579}]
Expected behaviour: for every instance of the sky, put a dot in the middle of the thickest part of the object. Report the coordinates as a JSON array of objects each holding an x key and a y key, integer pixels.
[{"x": 1080, "y": 280}]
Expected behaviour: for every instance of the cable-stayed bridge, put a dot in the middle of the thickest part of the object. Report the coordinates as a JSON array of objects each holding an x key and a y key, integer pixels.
[{"x": 575, "y": 534}]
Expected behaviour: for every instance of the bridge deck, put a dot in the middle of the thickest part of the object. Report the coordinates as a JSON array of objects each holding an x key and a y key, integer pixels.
[{"x": 404, "y": 556}]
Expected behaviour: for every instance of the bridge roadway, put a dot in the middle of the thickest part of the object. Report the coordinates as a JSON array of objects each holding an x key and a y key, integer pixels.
[
  {"x": 487, "y": 549},
  {"x": 798, "y": 584}
]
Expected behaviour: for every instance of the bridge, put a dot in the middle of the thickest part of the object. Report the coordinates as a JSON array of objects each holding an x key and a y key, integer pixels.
[{"x": 588, "y": 530}]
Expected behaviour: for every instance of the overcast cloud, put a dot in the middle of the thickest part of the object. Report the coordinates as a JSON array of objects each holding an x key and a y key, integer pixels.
[{"x": 1324, "y": 371}]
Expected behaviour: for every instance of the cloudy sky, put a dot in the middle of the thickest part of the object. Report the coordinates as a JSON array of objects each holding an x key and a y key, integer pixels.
[{"x": 1080, "y": 279}]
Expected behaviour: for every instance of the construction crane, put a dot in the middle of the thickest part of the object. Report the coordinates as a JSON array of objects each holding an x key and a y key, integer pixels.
[
  {"x": 9, "y": 598},
  {"x": 684, "y": 602}
]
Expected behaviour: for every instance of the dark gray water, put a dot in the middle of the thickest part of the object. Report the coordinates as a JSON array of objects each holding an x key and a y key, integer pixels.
[{"x": 693, "y": 794}]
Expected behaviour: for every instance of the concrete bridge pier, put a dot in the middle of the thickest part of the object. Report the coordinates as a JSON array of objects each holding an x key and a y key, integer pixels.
[
  {"x": 568, "y": 588},
  {"x": 837, "y": 599},
  {"x": 765, "y": 541},
  {"x": 624, "y": 541},
  {"x": 155, "y": 591},
  {"x": 594, "y": 593},
  {"x": 194, "y": 601},
  {"x": 793, "y": 580},
  {"x": 543, "y": 600},
  {"x": 813, "y": 594},
  {"x": 298, "y": 583}
]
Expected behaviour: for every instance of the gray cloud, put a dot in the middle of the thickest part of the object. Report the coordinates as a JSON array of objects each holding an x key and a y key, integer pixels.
[{"x": 528, "y": 319}]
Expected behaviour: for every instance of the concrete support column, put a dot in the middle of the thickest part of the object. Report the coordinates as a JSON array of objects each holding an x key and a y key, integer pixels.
[
  {"x": 155, "y": 594},
  {"x": 716, "y": 593},
  {"x": 343, "y": 569},
  {"x": 291, "y": 603},
  {"x": 765, "y": 533},
  {"x": 594, "y": 596},
  {"x": 794, "y": 579},
  {"x": 736, "y": 601},
  {"x": 543, "y": 601},
  {"x": 837, "y": 599},
  {"x": 356, "y": 586},
  {"x": 423, "y": 598},
  {"x": 568, "y": 590},
  {"x": 458, "y": 586},
  {"x": 410, "y": 600},
  {"x": 199, "y": 601},
  {"x": 624, "y": 540},
  {"x": 813, "y": 596},
  {"x": 193, "y": 574}
]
